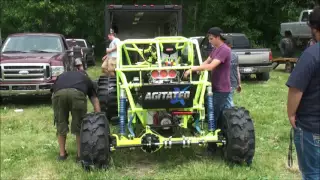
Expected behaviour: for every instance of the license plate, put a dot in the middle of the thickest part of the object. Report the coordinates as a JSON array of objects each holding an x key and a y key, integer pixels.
[
  {"x": 24, "y": 88},
  {"x": 247, "y": 70}
]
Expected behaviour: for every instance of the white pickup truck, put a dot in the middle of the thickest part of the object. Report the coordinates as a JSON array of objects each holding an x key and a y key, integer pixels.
[
  {"x": 298, "y": 29},
  {"x": 295, "y": 34}
]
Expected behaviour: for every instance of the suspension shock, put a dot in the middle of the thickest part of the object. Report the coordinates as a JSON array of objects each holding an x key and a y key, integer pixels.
[
  {"x": 123, "y": 112},
  {"x": 210, "y": 110}
]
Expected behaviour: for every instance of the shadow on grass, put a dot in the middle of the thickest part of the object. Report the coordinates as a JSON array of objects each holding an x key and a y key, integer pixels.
[
  {"x": 131, "y": 159},
  {"x": 251, "y": 80},
  {"x": 164, "y": 158},
  {"x": 281, "y": 70}
]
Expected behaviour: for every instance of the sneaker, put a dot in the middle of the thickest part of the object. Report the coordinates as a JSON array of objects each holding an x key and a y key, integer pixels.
[{"x": 62, "y": 158}]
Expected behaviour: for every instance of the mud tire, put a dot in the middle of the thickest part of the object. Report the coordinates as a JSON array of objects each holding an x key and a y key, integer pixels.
[
  {"x": 95, "y": 142},
  {"x": 287, "y": 47},
  {"x": 238, "y": 129},
  {"x": 107, "y": 95}
]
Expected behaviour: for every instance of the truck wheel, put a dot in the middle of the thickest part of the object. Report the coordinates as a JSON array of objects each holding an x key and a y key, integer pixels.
[
  {"x": 95, "y": 141},
  {"x": 93, "y": 61},
  {"x": 107, "y": 95},
  {"x": 238, "y": 129},
  {"x": 289, "y": 67},
  {"x": 85, "y": 63},
  {"x": 287, "y": 47},
  {"x": 263, "y": 76},
  {"x": 90, "y": 60}
]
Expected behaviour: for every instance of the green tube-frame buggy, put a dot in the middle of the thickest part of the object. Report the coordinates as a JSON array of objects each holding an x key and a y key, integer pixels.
[{"x": 149, "y": 101}]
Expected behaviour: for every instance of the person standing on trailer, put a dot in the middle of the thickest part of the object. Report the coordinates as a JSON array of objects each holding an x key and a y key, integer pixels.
[{"x": 110, "y": 59}]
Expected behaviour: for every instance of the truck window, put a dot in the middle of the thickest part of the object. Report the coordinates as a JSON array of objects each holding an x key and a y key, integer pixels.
[
  {"x": 75, "y": 43},
  {"x": 305, "y": 17},
  {"x": 240, "y": 42},
  {"x": 29, "y": 43}
]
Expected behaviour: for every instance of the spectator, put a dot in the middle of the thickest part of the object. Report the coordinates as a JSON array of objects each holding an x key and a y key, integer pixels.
[
  {"x": 303, "y": 105},
  {"x": 110, "y": 59},
  {"x": 218, "y": 63},
  {"x": 235, "y": 78}
]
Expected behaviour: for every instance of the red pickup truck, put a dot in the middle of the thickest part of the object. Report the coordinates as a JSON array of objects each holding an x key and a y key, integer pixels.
[{"x": 30, "y": 63}]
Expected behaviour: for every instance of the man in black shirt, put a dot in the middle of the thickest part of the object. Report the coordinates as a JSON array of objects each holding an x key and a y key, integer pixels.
[
  {"x": 70, "y": 93},
  {"x": 304, "y": 104}
]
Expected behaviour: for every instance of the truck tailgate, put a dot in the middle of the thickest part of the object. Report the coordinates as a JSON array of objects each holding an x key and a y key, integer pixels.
[{"x": 253, "y": 56}]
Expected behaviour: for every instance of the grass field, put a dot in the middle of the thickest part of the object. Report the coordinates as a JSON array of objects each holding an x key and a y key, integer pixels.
[{"x": 29, "y": 147}]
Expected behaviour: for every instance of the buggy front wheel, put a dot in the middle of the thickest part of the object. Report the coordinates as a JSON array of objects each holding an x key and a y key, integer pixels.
[
  {"x": 238, "y": 130},
  {"x": 95, "y": 141}
]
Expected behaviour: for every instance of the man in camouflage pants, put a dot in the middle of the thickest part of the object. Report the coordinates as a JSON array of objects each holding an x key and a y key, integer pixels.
[{"x": 70, "y": 93}]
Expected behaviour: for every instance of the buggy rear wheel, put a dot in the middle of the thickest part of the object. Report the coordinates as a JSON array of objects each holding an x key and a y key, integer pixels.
[
  {"x": 95, "y": 141},
  {"x": 238, "y": 129},
  {"x": 107, "y": 95}
]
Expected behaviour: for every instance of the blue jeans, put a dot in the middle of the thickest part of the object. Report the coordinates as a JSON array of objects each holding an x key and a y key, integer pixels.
[
  {"x": 230, "y": 99},
  {"x": 308, "y": 152},
  {"x": 220, "y": 102}
]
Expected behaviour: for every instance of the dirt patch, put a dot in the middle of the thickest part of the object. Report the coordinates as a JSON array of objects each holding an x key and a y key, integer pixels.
[
  {"x": 141, "y": 169},
  {"x": 294, "y": 168}
]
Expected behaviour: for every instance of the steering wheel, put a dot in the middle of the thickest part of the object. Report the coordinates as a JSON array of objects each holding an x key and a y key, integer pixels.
[{"x": 150, "y": 53}]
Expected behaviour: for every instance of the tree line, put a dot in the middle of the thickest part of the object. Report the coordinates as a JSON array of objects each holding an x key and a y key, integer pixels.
[{"x": 259, "y": 19}]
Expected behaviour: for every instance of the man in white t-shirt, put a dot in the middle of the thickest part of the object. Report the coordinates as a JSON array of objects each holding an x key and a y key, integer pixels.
[{"x": 110, "y": 59}]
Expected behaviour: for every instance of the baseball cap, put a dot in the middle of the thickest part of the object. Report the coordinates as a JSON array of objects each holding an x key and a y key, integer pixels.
[
  {"x": 78, "y": 62},
  {"x": 216, "y": 31}
]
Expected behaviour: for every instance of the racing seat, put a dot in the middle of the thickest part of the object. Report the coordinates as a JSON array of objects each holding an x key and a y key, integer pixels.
[{"x": 170, "y": 53}]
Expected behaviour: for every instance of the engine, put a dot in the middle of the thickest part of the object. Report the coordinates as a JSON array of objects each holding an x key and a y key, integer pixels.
[
  {"x": 163, "y": 122},
  {"x": 169, "y": 58},
  {"x": 163, "y": 76}
]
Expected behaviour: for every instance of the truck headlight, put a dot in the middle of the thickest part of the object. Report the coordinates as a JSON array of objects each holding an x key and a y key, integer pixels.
[{"x": 57, "y": 70}]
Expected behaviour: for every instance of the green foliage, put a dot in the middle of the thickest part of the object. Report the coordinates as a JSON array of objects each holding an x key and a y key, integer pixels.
[{"x": 260, "y": 20}]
